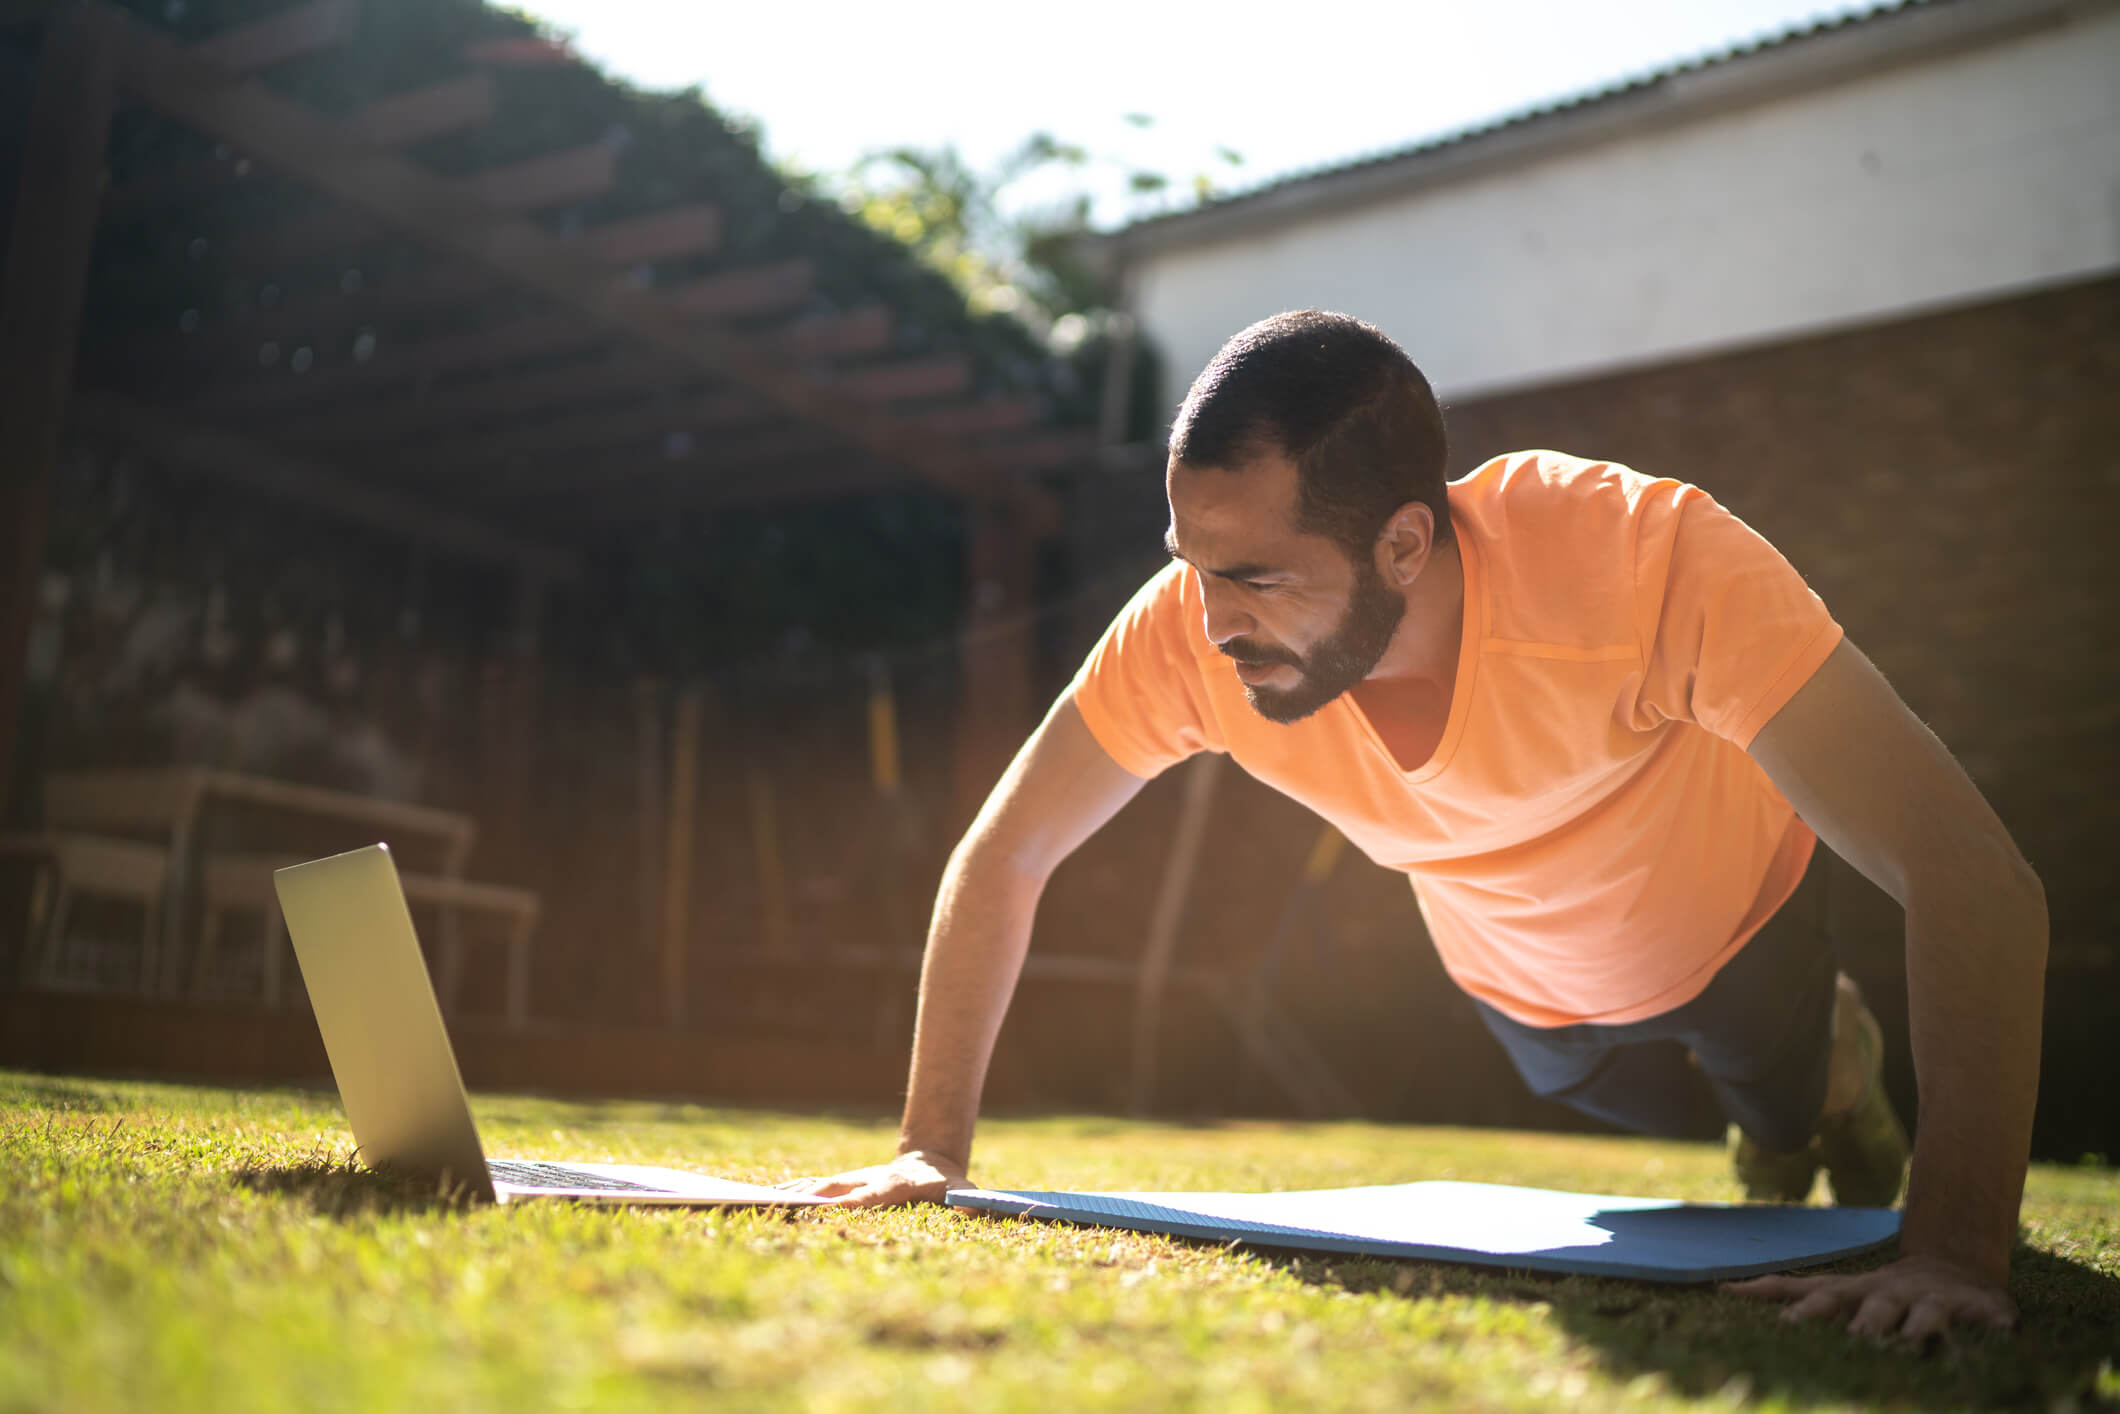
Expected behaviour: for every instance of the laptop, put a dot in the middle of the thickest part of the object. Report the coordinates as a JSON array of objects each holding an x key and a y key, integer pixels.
[{"x": 396, "y": 1073}]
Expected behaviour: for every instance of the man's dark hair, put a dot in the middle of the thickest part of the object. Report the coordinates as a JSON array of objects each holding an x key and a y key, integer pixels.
[{"x": 1339, "y": 399}]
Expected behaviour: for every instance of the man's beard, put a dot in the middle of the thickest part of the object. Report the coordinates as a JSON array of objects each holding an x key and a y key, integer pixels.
[{"x": 1341, "y": 660}]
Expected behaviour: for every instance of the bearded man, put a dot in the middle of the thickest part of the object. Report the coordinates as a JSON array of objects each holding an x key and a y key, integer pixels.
[{"x": 1601, "y": 725}]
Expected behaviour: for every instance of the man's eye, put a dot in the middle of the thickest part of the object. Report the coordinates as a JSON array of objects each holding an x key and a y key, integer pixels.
[{"x": 1257, "y": 586}]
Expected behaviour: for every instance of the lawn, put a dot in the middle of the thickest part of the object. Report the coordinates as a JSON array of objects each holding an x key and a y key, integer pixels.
[{"x": 180, "y": 1248}]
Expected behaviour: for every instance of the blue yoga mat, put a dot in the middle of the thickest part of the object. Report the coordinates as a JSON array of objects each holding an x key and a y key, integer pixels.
[{"x": 1484, "y": 1224}]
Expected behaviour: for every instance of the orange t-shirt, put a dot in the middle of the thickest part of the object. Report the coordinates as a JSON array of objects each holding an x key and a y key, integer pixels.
[{"x": 1590, "y": 840}]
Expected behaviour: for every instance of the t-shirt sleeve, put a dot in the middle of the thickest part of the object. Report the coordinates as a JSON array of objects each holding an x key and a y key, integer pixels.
[
  {"x": 1730, "y": 630},
  {"x": 1140, "y": 690}
]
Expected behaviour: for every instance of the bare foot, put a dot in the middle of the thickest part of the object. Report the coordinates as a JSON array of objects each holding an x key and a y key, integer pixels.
[{"x": 1848, "y": 1074}]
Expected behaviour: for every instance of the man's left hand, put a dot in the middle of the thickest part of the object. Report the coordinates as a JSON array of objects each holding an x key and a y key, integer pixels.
[{"x": 1913, "y": 1298}]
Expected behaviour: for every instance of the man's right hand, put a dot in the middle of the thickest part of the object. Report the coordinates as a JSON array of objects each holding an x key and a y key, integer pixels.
[{"x": 916, "y": 1177}]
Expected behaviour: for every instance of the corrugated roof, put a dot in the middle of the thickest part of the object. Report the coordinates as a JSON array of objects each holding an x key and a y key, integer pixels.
[{"x": 1278, "y": 191}]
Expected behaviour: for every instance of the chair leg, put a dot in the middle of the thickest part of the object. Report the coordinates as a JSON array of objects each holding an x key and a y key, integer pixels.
[
  {"x": 519, "y": 976},
  {"x": 37, "y": 925},
  {"x": 202, "y": 959},
  {"x": 150, "y": 916},
  {"x": 269, "y": 964},
  {"x": 450, "y": 965},
  {"x": 55, "y": 935}
]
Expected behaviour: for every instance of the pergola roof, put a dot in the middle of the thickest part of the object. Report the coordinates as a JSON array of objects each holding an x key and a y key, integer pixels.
[{"x": 476, "y": 291}]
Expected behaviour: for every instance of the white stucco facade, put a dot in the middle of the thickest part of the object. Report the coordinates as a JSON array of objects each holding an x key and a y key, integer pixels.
[{"x": 1945, "y": 179}]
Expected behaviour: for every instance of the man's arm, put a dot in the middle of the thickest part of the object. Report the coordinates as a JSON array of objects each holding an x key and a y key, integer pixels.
[
  {"x": 1056, "y": 793},
  {"x": 1880, "y": 789}
]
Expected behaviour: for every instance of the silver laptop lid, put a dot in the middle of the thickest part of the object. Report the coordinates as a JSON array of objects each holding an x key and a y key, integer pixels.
[{"x": 367, "y": 982}]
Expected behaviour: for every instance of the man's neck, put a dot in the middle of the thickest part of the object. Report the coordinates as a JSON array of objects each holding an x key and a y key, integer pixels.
[{"x": 1425, "y": 648}]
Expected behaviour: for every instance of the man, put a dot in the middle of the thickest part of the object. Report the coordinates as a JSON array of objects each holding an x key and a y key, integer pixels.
[{"x": 1601, "y": 724}]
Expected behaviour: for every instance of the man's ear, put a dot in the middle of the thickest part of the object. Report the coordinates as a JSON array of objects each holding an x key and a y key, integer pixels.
[{"x": 1404, "y": 544}]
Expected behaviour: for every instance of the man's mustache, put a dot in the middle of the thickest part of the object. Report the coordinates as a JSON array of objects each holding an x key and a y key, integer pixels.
[{"x": 1251, "y": 655}]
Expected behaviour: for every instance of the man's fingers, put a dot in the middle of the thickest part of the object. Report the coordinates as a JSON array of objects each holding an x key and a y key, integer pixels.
[
  {"x": 1826, "y": 1299},
  {"x": 1879, "y": 1315},
  {"x": 1995, "y": 1308},
  {"x": 1927, "y": 1318}
]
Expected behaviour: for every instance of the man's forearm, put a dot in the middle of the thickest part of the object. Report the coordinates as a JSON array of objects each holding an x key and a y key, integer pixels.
[
  {"x": 976, "y": 944},
  {"x": 1976, "y": 969}
]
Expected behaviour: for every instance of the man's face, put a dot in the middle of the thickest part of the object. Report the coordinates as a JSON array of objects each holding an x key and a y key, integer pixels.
[{"x": 1302, "y": 621}]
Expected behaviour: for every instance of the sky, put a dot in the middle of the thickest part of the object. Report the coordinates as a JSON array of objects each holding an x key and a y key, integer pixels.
[{"x": 1287, "y": 86}]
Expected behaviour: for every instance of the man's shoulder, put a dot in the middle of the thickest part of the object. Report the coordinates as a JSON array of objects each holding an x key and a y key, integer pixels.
[
  {"x": 1529, "y": 482},
  {"x": 1560, "y": 540}
]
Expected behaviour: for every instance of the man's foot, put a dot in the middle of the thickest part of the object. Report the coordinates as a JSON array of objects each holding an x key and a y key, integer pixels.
[
  {"x": 1862, "y": 1143},
  {"x": 1770, "y": 1177}
]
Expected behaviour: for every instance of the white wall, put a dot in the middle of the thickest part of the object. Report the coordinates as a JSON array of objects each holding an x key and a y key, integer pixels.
[{"x": 1934, "y": 183}]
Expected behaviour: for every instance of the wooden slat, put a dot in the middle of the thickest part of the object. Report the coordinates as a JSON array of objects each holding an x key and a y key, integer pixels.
[
  {"x": 756, "y": 291},
  {"x": 403, "y": 119},
  {"x": 744, "y": 294},
  {"x": 326, "y": 319},
  {"x": 299, "y": 30},
  {"x": 854, "y": 334},
  {"x": 1054, "y": 449},
  {"x": 327, "y": 233},
  {"x": 450, "y": 217},
  {"x": 659, "y": 235},
  {"x": 980, "y": 419},
  {"x": 434, "y": 410},
  {"x": 943, "y": 376},
  {"x": 450, "y": 106},
  {"x": 553, "y": 179},
  {"x": 535, "y": 336},
  {"x": 298, "y": 479},
  {"x": 697, "y": 418},
  {"x": 723, "y": 459}
]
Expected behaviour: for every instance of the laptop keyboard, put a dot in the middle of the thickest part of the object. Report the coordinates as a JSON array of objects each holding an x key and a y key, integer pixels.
[{"x": 529, "y": 1174}]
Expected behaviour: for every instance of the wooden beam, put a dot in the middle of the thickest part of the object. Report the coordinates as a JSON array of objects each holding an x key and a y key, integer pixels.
[
  {"x": 293, "y": 32},
  {"x": 305, "y": 482},
  {"x": 552, "y": 179},
  {"x": 533, "y": 336},
  {"x": 440, "y": 409},
  {"x": 692, "y": 229},
  {"x": 944, "y": 376},
  {"x": 744, "y": 294},
  {"x": 694, "y": 418},
  {"x": 326, "y": 320},
  {"x": 1065, "y": 447},
  {"x": 1160, "y": 948},
  {"x": 851, "y": 335},
  {"x": 423, "y": 114},
  {"x": 753, "y": 291},
  {"x": 627, "y": 496},
  {"x": 450, "y": 217},
  {"x": 51, "y": 232},
  {"x": 713, "y": 457},
  {"x": 975, "y": 419},
  {"x": 400, "y": 121}
]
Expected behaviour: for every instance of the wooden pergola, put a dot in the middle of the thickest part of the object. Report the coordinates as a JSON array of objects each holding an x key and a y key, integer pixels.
[{"x": 521, "y": 373}]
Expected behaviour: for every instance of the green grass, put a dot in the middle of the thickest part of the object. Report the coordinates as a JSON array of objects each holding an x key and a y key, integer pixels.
[{"x": 176, "y": 1248}]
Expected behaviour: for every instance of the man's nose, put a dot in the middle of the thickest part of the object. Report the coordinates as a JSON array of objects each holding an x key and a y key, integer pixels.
[{"x": 1224, "y": 618}]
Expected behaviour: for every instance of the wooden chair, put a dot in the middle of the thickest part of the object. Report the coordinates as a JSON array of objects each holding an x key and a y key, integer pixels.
[
  {"x": 70, "y": 864},
  {"x": 243, "y": 883},
  {"x": 518, "y": 908}
]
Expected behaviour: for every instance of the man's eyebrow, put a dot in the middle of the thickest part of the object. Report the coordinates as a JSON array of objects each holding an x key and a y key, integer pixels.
[{"x": 1239, "y": 572}]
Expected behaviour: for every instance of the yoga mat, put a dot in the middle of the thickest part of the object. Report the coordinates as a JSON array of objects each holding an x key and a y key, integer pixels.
[{"x": 1486, "y": 1225}]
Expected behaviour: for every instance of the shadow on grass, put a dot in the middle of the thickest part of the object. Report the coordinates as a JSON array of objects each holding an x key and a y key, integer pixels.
[
  {"x": 338, "y": 1188},
  {"x": 1699, "y": 1341}
]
